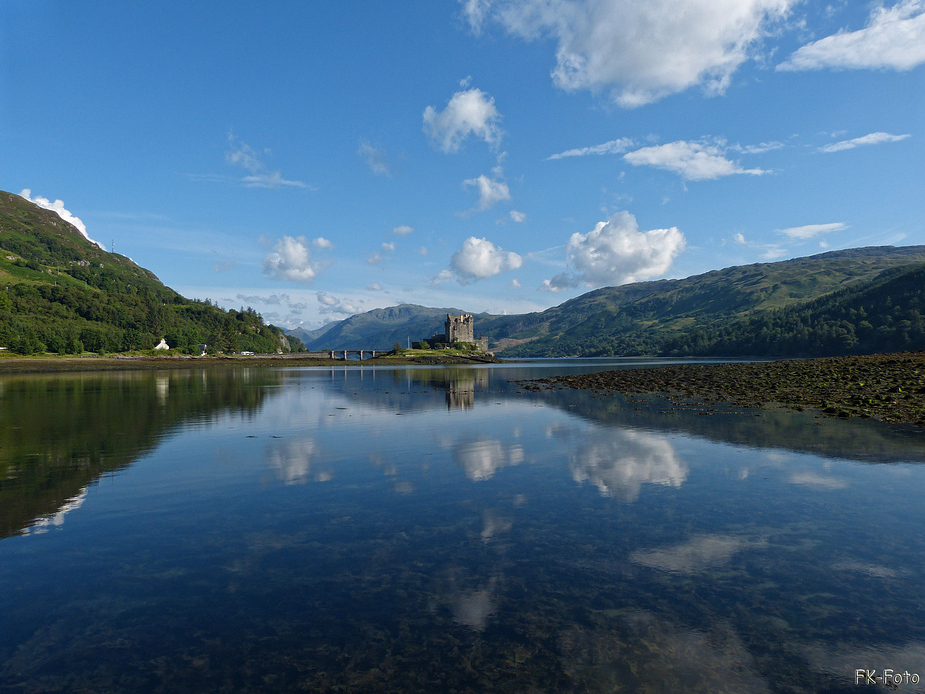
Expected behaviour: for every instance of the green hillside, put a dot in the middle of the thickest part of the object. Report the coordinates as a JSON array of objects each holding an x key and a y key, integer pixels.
[
  {"x": 885, "y": 314},
  {"x": 687, "y": 316},
  {"x": 61, "y": 293}
]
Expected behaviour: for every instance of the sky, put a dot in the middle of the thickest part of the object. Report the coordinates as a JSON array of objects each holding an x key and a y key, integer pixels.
[{"x": 313, "y": 160}]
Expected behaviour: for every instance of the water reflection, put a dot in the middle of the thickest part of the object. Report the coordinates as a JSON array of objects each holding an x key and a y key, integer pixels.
[
  {"x": 619, "y": 461},
  {"x": 482, "y": 458},
  {"x": 61, "y": 433},
  {"x": 475, "y": 547},
  {"x": 698, "y": 554},
  {"x": 292, "y": 461}
]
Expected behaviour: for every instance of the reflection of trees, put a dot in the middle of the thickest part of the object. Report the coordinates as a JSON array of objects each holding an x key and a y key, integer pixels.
[
  {"x": 619, "y": 461},
  {"x": 481, "y": 458},
  {"x": 60, "y": 433}
]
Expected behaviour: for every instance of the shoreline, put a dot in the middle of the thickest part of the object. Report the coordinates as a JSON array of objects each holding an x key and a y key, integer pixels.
[
  {"x": 125, "y": 362},
  {"x": 885, "y": 387}
]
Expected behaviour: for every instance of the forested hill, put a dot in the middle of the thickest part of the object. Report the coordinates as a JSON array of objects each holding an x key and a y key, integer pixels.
[
  {"x": 886, "y": 314},
  {"x": 61, "y": 293},
  {"x": 709, "y": 313}
]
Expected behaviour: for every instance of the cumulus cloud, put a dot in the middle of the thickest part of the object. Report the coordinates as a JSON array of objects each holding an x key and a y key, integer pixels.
[
  {"x": 693, "y": 161},
  {"x": 518, "y": 216},
  {"x": 618, "y": 146},
  {"x": 291, "y": 260},
  {"x": 322, "y": 243},
  {"x": 491, "y": 191},
  {"x": 616, "y": 252},
  {"x": 402, "y": 230},
  {"x": 58, "y": 208},
  {"x": 638, "y": 51},
  {"x": 894, "y": 38},
  {"x": 376, "y": 158},
  {"x": 331, "y": 304},
  {"x": 559, "y": 283},
  {"x": 479, "y": 259},
  {"x": 243, "y": 155},
  {"x": 808, "y": 231},
  {"x": 470, "y": 112},
  {"x": 871, "y": 139}
]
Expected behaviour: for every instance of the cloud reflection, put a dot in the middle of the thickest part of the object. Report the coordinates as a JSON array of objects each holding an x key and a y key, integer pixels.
[
  {"x": 293, "y": 461},
  {"x": 482, "y": 458},
  {"x": 699, "y": 554},
  {"x": 619, "y": 461},
  {"x": 43, "y": 524}
]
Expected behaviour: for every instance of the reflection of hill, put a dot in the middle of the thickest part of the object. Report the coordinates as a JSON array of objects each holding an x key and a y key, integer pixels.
[
  {"x": 61, "y": 433},
  {"x": 802, "y": 432}
]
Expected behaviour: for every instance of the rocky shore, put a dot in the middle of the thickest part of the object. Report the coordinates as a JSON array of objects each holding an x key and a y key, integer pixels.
[{"x": 886, "y": 387}]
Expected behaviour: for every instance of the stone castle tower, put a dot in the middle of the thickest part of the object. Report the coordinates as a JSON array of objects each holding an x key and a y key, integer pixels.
[{"x": 460, "y": 328}]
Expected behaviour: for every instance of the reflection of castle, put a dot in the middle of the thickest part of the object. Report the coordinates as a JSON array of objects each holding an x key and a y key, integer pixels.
[{"x": 456, "y": 329}]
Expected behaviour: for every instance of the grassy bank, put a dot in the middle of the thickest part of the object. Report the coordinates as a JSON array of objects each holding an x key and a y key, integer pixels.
[
  {"x": 887, "y": 387},
  {"x": 117, "y": 362}
]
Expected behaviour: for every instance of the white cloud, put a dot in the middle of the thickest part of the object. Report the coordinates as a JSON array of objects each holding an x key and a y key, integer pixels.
[
  {"x": 402, "y": 230},
  {"x": 374, "y": 287},
  {"x": 491, "y": 191},
  {"x": 893, "y": 38},
  {"x": 616, "y": 252},
  {"x": 242, "y": 154},
  {"x": 291, "y": 260},
  {"x": 331, "y": 304},
  {"x": 422, "y": 250},
  {"x": 808, "y": 231},
  {"x": 376, "y": 158},
  {"x": 388, "y": 247},
  {"x": 693, "y": 161},
  {"x": 515, "y": 284},
  {"x": 618, "y": 146},
  {"x": 740, "y": 238},
  {"x": 518, "y": 216},
  {"x": 323, "y": 243},
  {"x": 871, "y": 139},
  {"x": 58, "y": 207},
  {"x": 470, "y": 112},
  {"x": 638, "y": 51},
  {"x": 559, "y": 283},
  {"x": 480, "y": 258}
]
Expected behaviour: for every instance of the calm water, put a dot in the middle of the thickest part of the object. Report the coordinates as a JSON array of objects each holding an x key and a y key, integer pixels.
[{"x": 440, "y": 530}]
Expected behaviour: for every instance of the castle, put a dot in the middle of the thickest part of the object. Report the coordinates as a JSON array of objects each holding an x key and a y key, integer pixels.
[{"x": 456, "y": 329}]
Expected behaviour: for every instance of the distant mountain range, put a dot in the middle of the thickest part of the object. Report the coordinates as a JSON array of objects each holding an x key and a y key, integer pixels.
[
  {"x": 380, "y": 328},
  {"x": 839, "y": 302},
  {"x": 63, "y": 293}
]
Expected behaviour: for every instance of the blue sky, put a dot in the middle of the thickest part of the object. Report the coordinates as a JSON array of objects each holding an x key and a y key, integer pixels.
[{"x": 318, "y": 159}]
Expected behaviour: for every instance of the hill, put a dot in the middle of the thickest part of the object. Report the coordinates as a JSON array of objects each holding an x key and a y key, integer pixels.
[
  {"x": 61, "y": 293},
  {"x": 760, "y": 309},
  {"x": 380, "y": 328},
  {"x": 662, "y": 317}
]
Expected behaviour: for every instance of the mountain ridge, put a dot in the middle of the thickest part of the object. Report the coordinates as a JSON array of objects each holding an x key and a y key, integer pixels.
[{"x": 654, "y": 317}]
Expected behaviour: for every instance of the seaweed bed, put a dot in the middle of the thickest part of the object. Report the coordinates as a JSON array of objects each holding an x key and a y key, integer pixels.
[{"x": 886, "y": 387}]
